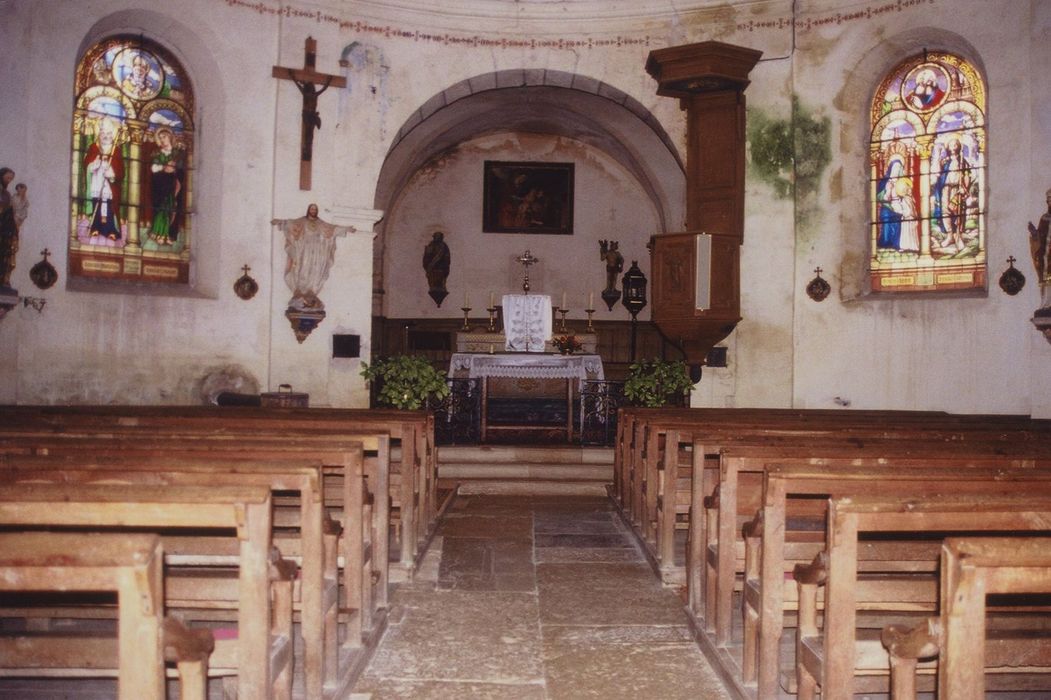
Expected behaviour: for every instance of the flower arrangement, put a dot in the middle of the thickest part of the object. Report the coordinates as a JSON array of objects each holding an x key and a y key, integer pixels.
[{"x": 566, "y": 344}]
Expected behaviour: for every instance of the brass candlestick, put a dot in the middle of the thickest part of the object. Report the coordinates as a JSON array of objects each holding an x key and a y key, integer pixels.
[
  {"x": 562, "y": 323},
  {"x": 466, "y": 310},
  {"x": 492, "y": 319},
  {"x": 590, "y": 313}
]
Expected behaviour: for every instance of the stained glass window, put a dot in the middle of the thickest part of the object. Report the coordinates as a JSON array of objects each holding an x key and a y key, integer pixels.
[
  {"x": 132, "y": 164},
  {"x": 928, "y": 177}
]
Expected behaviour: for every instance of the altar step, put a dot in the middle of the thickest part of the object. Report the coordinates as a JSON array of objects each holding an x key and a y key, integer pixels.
[{"x": 526, "y": 470}]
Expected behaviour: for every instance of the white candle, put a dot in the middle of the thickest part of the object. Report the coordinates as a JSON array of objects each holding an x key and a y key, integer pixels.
[
  {"x": 563, "y": 300},
  {"x": 492, "y": 301},
  {"x": 591, "y": 300},
  {"x": 465, "y": 302}
]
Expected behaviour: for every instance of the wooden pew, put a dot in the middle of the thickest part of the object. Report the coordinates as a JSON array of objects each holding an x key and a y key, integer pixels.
[
  {"x": 131, "y": 566},
  {"x": 166, "y": 464},
  {"x": 715, "y": 555},
  {"x": 363, "y": 536},
  {"x": 652, "y": 504},
  {"x": 413, "y": 475},
  {"x": 655, "y": 492},
  {"x": 971, "y": 569},
  {"x": 713, "y": 561},
  {"x": 641, "y": 433},
  {"x": 340, "y": 451},
  {"x": 655, "y": 465},
  {"x": 263, "y": 646},
  {"x": 764, "y": 601},
  {"x": 826, "y": 656},
  {"x": 743, "y": 454}
]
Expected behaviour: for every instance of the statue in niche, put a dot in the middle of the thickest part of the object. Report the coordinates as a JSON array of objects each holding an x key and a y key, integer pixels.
[
  {"x": 436, "y": 262},
  {"x": 311, "y": 247},
  {"x": 1039, "y": 246}
]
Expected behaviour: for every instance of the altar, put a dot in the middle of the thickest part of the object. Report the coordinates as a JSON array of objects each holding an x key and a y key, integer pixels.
[
  {"x": 572, "y": 369},
  {"x": 482, "y": 341}
]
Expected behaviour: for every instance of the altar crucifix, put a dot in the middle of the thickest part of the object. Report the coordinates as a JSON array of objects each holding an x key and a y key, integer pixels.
[
  {"x": 526, "y": 259},
  {"x": 311, "y": 83}
]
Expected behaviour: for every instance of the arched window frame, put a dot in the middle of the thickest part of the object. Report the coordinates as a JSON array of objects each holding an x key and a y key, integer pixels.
[
  {"x": 132, "y": 195},
  {"x": 927, "y": 225}
]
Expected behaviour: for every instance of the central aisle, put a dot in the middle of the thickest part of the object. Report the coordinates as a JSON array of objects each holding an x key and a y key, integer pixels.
[{"x": 536, "y": 598}]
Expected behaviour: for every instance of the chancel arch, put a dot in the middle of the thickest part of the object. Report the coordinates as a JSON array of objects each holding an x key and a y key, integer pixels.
[{"x": 533, "y": 116}]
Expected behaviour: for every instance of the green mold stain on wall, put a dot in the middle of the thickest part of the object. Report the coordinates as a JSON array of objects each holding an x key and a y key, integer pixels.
[
  {"x": 770, "y": 144},
  {"x": 791, "y": 154}
]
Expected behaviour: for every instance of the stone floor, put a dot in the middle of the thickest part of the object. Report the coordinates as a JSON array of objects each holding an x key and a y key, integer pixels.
[{"x": 536, "y": 597}]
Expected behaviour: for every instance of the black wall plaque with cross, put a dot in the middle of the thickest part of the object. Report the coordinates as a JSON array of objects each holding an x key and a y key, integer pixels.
[{"x": 311, "y": 83}]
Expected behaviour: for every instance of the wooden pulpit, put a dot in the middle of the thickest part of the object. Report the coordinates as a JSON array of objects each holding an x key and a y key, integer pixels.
[{"x": 695, "y": 275}]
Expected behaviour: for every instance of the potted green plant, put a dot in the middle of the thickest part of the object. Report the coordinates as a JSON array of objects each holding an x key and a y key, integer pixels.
[
  {"x": 406, "y": 381},
  {"x": 653, "y": 383}
]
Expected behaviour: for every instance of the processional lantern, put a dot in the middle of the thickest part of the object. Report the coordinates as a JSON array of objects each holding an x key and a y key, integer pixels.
[
  {"x": 634, "y": 283},
  {"x": 634, "y": 300},
  {"x": 696, "y": 273}
]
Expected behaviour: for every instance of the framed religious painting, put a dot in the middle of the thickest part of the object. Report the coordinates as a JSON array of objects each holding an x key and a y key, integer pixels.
[{"x": 525, "y": 197}]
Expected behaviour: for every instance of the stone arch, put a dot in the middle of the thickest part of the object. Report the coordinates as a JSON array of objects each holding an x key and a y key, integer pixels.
[{"x": 544, "y": 102}]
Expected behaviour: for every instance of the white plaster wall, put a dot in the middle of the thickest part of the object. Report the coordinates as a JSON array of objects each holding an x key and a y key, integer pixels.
[
  {"x": 1040, "y": 181},
  {"x": 608, "y": 204},
  {"x": 934, "y": 352},
  {"x": 761, "y": 351},
  {"x": 112, "y": 343},
  {"x": 130, "y": 345}
]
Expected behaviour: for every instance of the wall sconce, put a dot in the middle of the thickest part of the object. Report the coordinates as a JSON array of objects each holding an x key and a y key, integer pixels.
[
  {"x": 1012, "y": 280},
  {"x": 818, "y": 288},
  {"x": 245, "y": 287},
  {"x": 634, "y": 284},
  {"x": 43, "y": 274}
]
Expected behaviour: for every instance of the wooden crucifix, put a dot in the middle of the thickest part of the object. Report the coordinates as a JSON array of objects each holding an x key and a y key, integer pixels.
[{"x": 311, "y": 83}]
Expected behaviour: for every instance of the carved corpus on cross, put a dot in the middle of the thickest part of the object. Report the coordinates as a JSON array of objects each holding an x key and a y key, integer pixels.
[{"x": 311, "y": 83}]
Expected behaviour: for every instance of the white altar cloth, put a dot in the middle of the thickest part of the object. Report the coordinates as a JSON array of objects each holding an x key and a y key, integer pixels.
[
  {"x": 527, "y": 321},
  {"x": 526, "y": 366}
]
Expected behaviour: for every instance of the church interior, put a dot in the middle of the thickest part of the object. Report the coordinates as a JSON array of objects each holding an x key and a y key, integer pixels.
[{"x": 363, "y": 305}]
